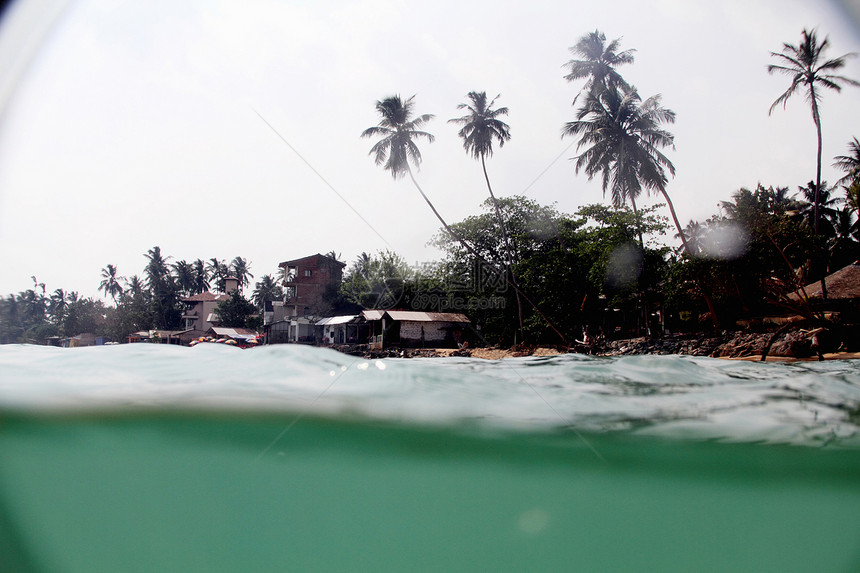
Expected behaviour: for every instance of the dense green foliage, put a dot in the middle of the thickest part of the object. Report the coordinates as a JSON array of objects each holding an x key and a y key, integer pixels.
[
  {"x": 152, "y": 302},
  {"x": 235, "y": 311}
]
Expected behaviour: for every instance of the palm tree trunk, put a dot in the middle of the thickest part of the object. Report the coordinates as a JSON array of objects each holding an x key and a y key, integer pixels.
[
  {"x": 475, "y": 254},
  {"x": 638, "y": 228},
  {"x": 510, "y": 260},
  {"x": 817, "y": 119},
  {"x": 711, "y": 308}
]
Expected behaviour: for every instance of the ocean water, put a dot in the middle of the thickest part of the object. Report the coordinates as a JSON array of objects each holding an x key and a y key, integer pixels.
[{"x": 156, "y": 458}]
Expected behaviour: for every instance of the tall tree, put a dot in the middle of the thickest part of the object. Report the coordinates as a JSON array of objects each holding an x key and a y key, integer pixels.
[
  {"x": 850, "y": 163},
  {"x": 241, "y": 269},
  {"x": 811, "y": 74},
  {"x": 156, "y": 270},
  {"x": 827, "y": 207},
  {"x": 481, "y": 126},
  {"x": 110, "y": 282},
  {"x": 597, "y": 62},
  {"x": 201, "y": 278},
  {"x": 625, "y": 136},
  {"x": 266, "y": 289},
  {"x": 183, "y": 273},
  {"x": 57, "y": 306},
  {"x": 218, "y": 272},
  {"x": 134, "y": 285},
  {"x": 398, "y": 130}
]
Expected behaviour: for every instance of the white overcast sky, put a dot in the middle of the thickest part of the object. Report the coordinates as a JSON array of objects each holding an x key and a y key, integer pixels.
[{"x": 135, "y": 124}]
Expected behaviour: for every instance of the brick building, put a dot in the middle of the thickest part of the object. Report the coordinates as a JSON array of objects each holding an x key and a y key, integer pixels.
[{"x": 307, "y": 281}]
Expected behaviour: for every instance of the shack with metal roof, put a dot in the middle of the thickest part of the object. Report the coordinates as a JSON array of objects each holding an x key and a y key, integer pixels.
[{"x": 415, "y": 329}]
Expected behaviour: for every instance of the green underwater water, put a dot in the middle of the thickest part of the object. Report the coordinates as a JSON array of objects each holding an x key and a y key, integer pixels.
[{"x": 190, "y": 491}]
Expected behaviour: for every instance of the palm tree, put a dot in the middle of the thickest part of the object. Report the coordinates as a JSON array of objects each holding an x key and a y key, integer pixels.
[
  {"x": 598, "y": 62},
  {"x": 185, "y": 277},
  {"x": 134, "y": 285},
  {"x": 201, "y": 279},
  {"x": 850, "y": 163},
  {"x": 241, "y": 269},
  {"x": 218, "y": 272},
  {"x": 265, "y": 290},
  {"x": 398, "y": 129},
  {"x": 397, "y": 147},
  {"x": 481, "y": 126},
  {"x": 110, "y": 282},
  {"x": 363, "y": 264},
  {"x": 694, "y": 234},
  {"x": 57, "y": 305},
  {"x": 625, "y": 139},
  {"x": 827, "y": 207},
  {"x": 803, "y": 63},
  {"x": 156, "y": 270}
]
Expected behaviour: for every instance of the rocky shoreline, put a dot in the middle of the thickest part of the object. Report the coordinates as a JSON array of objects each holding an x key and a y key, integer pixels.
[{"x": 797, "y": 344}]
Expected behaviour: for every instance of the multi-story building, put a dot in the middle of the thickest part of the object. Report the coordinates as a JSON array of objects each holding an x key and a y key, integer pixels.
[
  {"x": 307, "y": 281},
  {"x": 200, "y": 312}
]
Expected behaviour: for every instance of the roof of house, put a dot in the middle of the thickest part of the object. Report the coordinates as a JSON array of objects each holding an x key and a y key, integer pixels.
[
  {"x": 295, "y": 262},
  {"x": 415, "y": 316},
  {"x": 332, "y": 320},
  {"x": 205, "y": 297},
  {"x": 372, "y": 314},
  {"x": 235, "y": 333},
  {"x": 843, "y": 284}
]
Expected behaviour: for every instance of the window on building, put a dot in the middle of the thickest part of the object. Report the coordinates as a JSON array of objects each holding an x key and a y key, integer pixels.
[{"x": 307, "y": 272}]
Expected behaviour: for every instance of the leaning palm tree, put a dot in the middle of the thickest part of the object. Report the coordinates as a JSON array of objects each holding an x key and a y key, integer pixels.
[
  {"x": 811, "y": 74},
  {"x": 398, "y": 129},
  {"x": 481, "y": 126},
  {"x": 597, "y": 62},
  {"x": 397, "y": 147},
  {"x": 624, "y": 136},
  {"x": 110, "y": 282}
]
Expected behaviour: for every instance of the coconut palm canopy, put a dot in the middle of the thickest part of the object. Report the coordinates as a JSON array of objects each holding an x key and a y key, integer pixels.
[
  {"x": 811, "y": 74},
  {"x": 481, "y": 126},
  {"x": 398, "y": 130},
  {"x": 624, "y": 138},
  {"x": 598, "y": 62}
]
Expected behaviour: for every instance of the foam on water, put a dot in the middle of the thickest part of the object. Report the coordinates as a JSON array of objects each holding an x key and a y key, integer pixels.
[{"x": 806, "y": 403}]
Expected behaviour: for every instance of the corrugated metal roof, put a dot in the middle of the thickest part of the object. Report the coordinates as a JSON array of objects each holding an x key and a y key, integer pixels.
[
  {"x": 337, "y": 320},
  {"x": 236, "y": 333},
  {"x": 372, "y": 314},
  {"x": 415, "y": 316}
]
